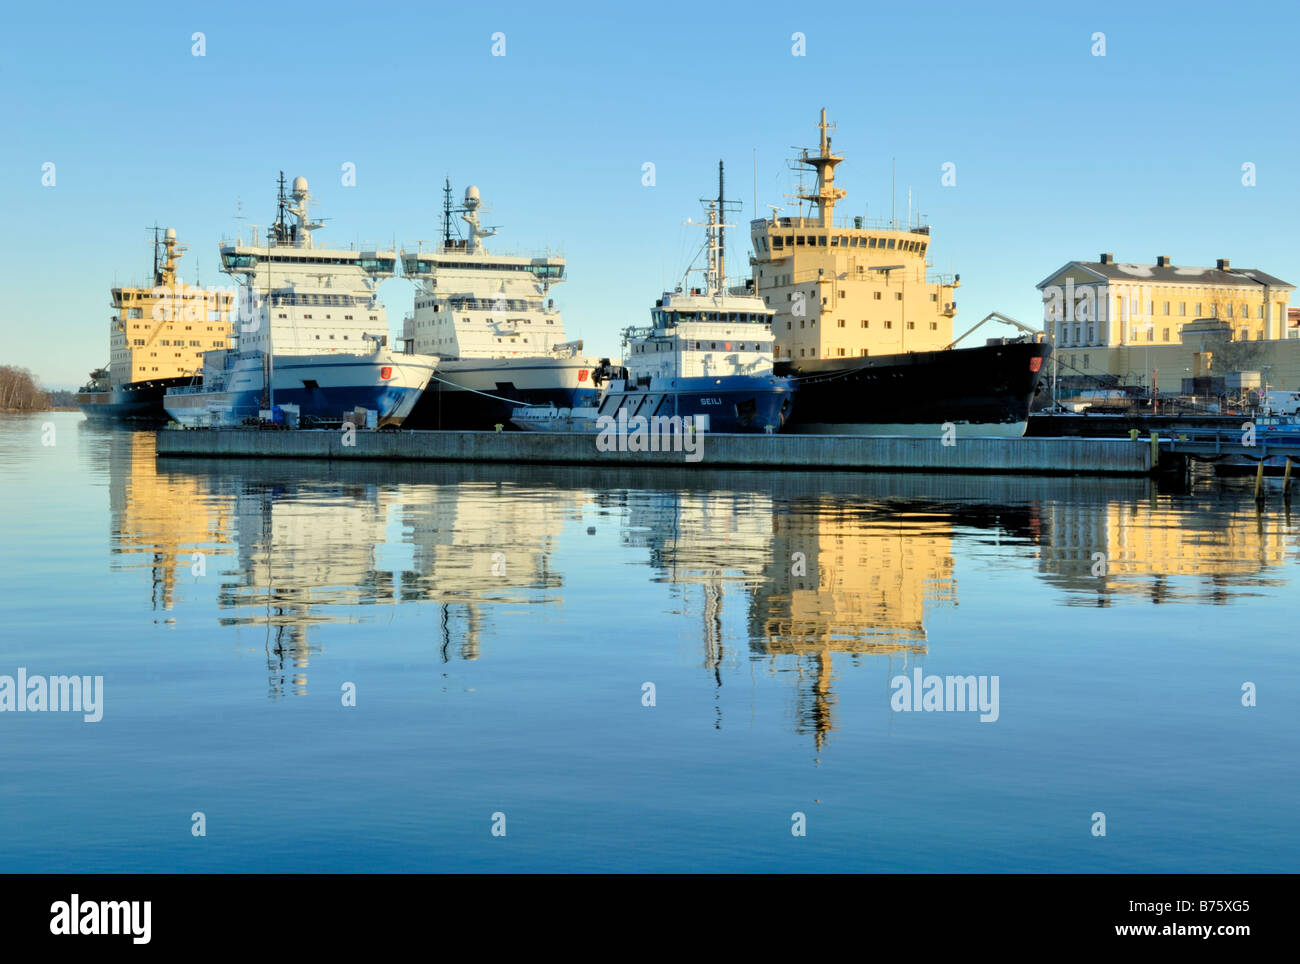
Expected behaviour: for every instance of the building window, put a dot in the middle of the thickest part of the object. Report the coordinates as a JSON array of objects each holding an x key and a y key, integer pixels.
[
  {"x": 865, "y": 324},
  {"x": 840, "y": 323},
  {"x": 1198, "y": 309},
  {"x": 1182, "y": 308},
  {"x": 864, "y": 353},
  {"x": 842, "y": 294},
  {"x": 876, "y": 295},
  {"x": 911, "y": 326},
  {"x": 841, "y": 351},
  {"x": 934, "y": 297},
  {"x": 1164, "y": 336},
  {"x": 889, "y": 324},
  {"x": 898, "y": 296},
  {"x": 934, "y": 326},
  {"x": 1085, "y": 361},
  {"x": 1260, "y": 315}
]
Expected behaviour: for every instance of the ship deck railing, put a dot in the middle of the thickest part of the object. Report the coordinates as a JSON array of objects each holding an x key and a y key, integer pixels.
[{"x": 849, "y": 223}]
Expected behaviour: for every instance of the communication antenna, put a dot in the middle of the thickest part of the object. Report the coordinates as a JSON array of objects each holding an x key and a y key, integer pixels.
[
  {"x": 893, "y": 193},
  {"x": 280, "y": 229},
  {"x": 449, "y": 227},
  {"x": 157, "y": 280}
]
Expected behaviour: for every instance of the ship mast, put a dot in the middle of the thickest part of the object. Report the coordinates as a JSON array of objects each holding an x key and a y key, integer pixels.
[
  {"x": 826, "y": 194},
  {"x": 715, "y": 277},
  {"x": 722, "y": 233}
]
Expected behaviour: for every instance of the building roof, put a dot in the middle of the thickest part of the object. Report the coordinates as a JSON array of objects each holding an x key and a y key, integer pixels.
[{"x": 1172, "y": 274}]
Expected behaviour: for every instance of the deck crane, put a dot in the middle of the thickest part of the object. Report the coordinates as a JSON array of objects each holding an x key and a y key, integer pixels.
[{"x": 996, "y": 316}]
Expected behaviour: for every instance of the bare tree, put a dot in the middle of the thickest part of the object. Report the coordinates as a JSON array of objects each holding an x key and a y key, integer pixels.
[{"x": 19, "y": 391}]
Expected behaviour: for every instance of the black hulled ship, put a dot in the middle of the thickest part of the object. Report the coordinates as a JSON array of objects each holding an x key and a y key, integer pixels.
[{"x": 867, "y": 330}]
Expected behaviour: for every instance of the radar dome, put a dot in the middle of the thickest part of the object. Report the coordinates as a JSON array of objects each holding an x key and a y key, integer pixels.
[
  {"x": 471, "y": 196},
  {"x": 299, "y": 185},
  {"x": 170, "y": 234}
]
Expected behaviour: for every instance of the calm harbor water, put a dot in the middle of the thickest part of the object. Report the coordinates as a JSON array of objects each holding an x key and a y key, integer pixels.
[{"x": 498, "y": 625}]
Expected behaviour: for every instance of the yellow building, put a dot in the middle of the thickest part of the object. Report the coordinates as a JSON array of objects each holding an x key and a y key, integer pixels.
[
  {"x": 162, "y": 332},
  {"x": 1096, "y": 312},
  {"x": 847, "y": 289}
]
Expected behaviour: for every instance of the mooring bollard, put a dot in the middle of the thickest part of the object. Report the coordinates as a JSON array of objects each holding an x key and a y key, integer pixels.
[
  {"x": 1132, "y": 435},
  {"x": 1155, "y": 449}
]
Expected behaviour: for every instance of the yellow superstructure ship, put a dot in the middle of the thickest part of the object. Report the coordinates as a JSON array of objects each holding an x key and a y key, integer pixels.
[{"x": 157, "y": 337}]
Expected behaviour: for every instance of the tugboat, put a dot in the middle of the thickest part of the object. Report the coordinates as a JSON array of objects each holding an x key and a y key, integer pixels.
[
  {"x": 156, "y": 341},
  {"x": 706, "y": 359}
]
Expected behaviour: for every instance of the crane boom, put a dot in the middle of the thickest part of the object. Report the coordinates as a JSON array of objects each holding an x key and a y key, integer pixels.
[{"x": 995, "y": 316}]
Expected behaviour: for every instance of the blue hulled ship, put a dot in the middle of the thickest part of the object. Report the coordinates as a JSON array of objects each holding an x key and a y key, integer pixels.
[{"x": 706, "y": 357}]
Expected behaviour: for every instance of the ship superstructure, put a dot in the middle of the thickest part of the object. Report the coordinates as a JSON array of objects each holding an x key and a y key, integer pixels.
[
  {"x": 157, "y": 337},
  {"x": 312, "y": 332},
  {"x": 490, "y": 318},
  {"x": 852, "y": 289},
  {"x": 868, "y": 331}
]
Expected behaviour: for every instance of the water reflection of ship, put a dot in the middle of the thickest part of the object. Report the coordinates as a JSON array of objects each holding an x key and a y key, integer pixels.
[
  {"x": 482, "y": 543},
  {"x": 301, "y": 552},
  {"x": 706, "y": 540},
  {"x": 826, "y": 564},
  {"x": 877, "y": 550},
  {"x": 166, "y": 518},
  {"x": 313, "y": 539}
]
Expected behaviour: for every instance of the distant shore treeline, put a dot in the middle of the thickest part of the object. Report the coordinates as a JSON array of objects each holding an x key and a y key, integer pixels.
[{"x": 19, "y": 392}]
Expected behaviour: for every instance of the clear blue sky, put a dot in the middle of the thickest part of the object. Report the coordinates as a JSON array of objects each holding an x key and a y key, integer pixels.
[{"x": 1059, "y": 154}]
